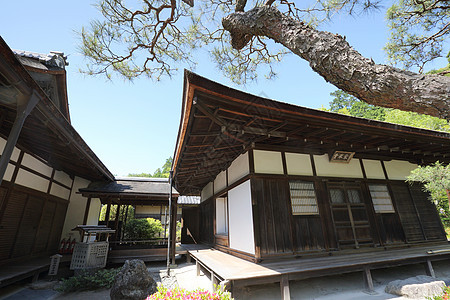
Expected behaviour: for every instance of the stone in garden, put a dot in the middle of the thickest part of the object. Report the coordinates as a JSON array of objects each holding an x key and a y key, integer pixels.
[
  {"x": 416, "y": 287},
  {"x": 133, "y": 282}
]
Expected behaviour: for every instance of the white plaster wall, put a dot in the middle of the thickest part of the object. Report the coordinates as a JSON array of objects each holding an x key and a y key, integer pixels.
[
  {"x": 94, "y": 212},
  {"x": 221, "y": 220},
  {"x": 373, "y": 169},
  {"x": 240, "y": 218},
  {"x": 76, "y": 208},
  {"x": 268, "y": 162},
  {"x": 298, "y": 164},
  {"x": 32, "y": 181},
  {"x": 325, "y": 168},
  {"x": 16, "y": 151},
  {"x": 207, "y": 191},
  {"x": 60, "y": 191},
  {"x": 238, "y": 168},
  {"x": 9, "y": 172},
  {"x": 399, "y": 170},
  {"x": 220, "y": 182},
  {"x": 63, "y": 178},
  {"x": 36, "y": 165},
  {"x": 147, "y": 209}
]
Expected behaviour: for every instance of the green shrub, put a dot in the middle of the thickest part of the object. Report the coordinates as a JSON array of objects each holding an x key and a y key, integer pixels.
[
  {"x": 102, "y": 279},
  {"x": 142, "y": 229}
]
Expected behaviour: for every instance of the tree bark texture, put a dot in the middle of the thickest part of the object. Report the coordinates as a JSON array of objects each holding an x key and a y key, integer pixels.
[{"x": 334, "y": 59}]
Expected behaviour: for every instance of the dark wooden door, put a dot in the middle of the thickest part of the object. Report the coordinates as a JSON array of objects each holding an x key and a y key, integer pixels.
[{"x": 350, "y": 217}]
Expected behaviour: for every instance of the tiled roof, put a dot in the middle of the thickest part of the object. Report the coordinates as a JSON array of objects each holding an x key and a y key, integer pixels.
[
  {"x": 53, "y": 59},
  {"x": 189, "y": 200},
  {"x": 131, "y": 185}
]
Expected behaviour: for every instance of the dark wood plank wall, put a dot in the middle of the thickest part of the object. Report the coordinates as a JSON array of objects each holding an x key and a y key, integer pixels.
[
  {"x": 273, "y": 203},
  {"x": 389, "y": 229},
  {"x": 191, "y": 217},
  {"x": 428, "y": 215},
  {"x": 31, "y": 224},
  {"x": 281, "y": 233},
  {"x": 206, "y": 226},
  {"x": 407, "y": 212}
]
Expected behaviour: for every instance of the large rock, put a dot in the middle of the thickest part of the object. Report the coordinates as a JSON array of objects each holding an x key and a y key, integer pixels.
[
  {"x": 133, "y": 282},
  {"x": 416, "y": 287}
]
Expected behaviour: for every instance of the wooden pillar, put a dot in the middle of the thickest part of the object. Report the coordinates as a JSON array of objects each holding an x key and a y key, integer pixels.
[
  {"x": 108, "y": 210},
  {"x": 214, "y": 281},
  {"x": 429, "y": 268},
  {"x": 165, "y": 221},
  {"x": 173, "y": 230},
  {"x": 125, "y": 221},
  {"x": 116, "y": 235},
  {"x": 284, "y": 285},
  {"x": 368, "y": 280},
  {"x": 86, "y": 210},
  {"x": 188, "y": 258},
  {"x": 197, "y": 266}
]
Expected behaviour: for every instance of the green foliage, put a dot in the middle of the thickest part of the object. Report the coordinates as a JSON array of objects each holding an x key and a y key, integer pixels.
[
  {"x": 162, "y": 172},
  {"x": 419, "y": 30},
  {"x": 102, "y": 279},
  {"x": 113, "y": 212},
  {"x": 436, "y": 178},
  {"x": 416, "y": 120},
  {"x": 347, "y": 104},
  {"x": 181, "y": 294},
  {"x": 142, "y": 229},
  {"x": 445, "y": 70}
]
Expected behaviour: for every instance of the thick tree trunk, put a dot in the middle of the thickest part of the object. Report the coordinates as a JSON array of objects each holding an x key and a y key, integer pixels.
[{"x": 335, "y": 60}]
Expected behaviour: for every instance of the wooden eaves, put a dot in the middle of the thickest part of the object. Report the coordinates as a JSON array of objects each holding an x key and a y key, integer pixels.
[
  {"x": 46, "y": 132},
  {"x": 219, "y": 123}
]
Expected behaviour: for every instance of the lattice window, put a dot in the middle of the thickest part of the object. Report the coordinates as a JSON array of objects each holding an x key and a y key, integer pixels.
[
  {"x": 382, "y": 202},
  {"x": 353, "y": 196},
  {"x": 303, "y": 198},
  {"x": 337, "y": 196}
]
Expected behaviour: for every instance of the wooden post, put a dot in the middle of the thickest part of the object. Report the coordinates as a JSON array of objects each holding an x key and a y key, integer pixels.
[
  {"x": 108, "y": 210},
  {"x": 124, "y": 222},
  {"x": 429, "y": 268},
  {"x": 284, "y": 285},
  {"x": 213, "y": 281},
  {"x": 188, "y": 258},
  {"x": 173, "y": 229},
  {"x": 116, "y": 237},
  {"x": 197, "y": 266},
  {"x": 86, "y": 210},
  {"x": 368, "y": 280}
]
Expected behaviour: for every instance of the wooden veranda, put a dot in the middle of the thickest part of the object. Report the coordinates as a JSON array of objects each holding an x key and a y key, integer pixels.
[{"x": 232, "y": 272}]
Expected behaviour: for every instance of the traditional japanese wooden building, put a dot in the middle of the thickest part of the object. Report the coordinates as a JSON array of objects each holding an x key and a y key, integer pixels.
[
  {"x": 278, "y": 180},
  {"x": 45, "y": 161}
]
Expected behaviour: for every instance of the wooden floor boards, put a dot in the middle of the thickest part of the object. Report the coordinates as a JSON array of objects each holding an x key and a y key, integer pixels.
[{"x": 240, "y": 272}]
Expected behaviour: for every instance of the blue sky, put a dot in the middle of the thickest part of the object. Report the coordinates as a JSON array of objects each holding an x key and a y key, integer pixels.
[{"x": 132, "y": 127}]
